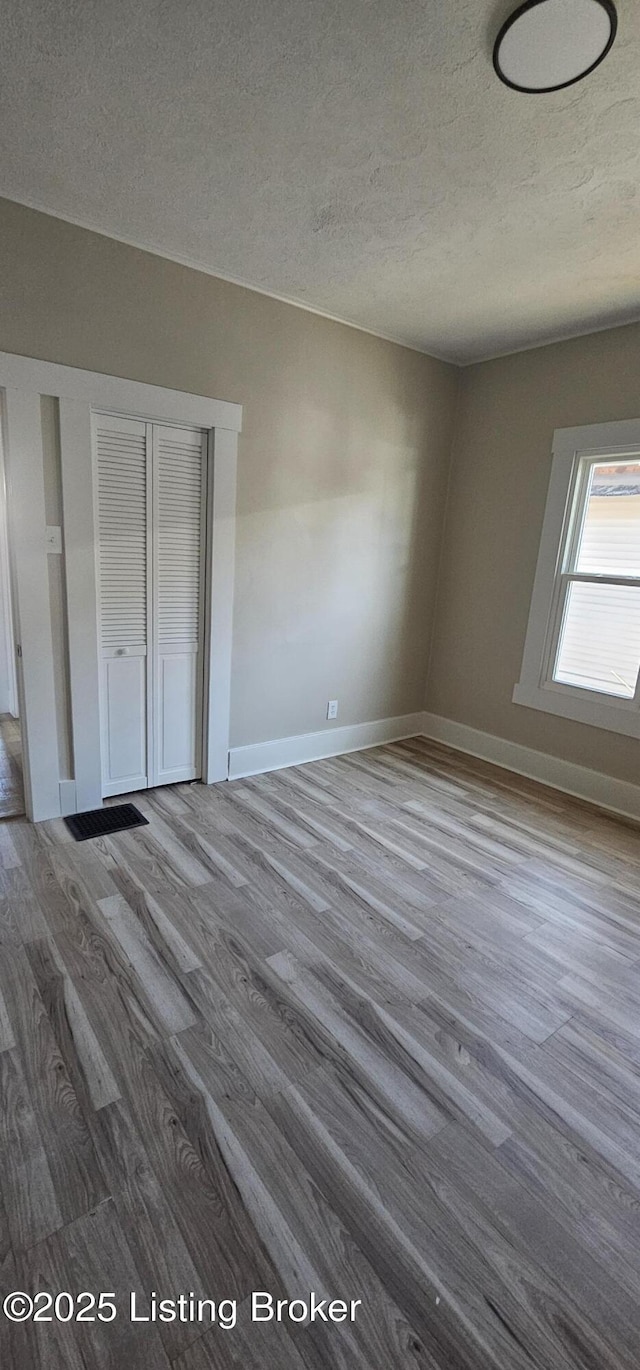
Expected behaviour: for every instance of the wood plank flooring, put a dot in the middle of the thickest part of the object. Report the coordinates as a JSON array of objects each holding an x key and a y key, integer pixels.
[
  {"x": 368, "y": 1027},
  {"x": 11, "y": 786}
]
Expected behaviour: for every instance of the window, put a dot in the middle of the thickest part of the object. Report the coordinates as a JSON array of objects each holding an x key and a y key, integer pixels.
[
  {"x": 582, "y": 652},
  {"x": 597, "y": 642}
]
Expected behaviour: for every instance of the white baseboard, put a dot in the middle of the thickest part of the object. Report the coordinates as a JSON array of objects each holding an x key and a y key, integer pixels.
[
  {"x": 617, "y": 795},
  {"x": 294, "y": 751}
]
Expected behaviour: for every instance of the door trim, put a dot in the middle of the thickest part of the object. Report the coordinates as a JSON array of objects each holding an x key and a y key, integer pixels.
[
  {"x": 23, "y": 455},
  {"x": 86, "y": 391},
  {"x": 219, "y": 576},
  {"x": 82, "y": 590}
]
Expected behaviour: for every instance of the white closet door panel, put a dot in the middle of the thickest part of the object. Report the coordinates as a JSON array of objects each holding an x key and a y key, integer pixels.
[
  {"x": 123, "y": 514},
  {"x": 178, "y": 692},
  {"x": 178, "y": 476},
  {"x": 124, "y": 713}
]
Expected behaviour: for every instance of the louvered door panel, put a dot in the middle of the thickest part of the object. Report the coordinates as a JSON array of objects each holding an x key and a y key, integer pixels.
[
  {"x": 178, "y": 482},
  {"x": 121, "y": 457}
]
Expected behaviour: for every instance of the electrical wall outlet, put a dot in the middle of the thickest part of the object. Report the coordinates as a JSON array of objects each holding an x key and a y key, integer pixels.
[{"x": 332, "y": 708}]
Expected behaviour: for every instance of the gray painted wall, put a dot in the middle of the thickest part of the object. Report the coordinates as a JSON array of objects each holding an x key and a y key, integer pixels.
[
  {"x": 501, "y": 461},
  {"x": 343, "y": 463}
]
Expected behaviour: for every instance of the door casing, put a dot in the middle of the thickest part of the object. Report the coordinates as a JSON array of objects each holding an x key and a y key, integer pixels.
[{"x": 23, "y": 381}]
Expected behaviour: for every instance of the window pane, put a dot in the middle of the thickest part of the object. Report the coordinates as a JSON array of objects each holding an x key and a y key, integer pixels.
[
  {"x": 600, "y": 639},
  {"x": 610, "y": 541}
]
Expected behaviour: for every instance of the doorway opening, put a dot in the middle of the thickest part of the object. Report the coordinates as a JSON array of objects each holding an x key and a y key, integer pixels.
[{"x": 11, "y": 778}]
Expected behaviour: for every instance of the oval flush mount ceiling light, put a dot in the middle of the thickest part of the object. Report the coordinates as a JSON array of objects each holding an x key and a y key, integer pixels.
[{"x": 548, "y": 44}]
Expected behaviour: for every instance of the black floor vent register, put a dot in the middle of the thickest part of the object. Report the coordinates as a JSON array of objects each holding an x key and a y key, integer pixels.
[{"x": 102, "y": 822}]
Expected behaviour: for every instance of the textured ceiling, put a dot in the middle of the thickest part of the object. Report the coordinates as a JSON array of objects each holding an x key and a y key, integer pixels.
[{"x": 359, "y": 157}]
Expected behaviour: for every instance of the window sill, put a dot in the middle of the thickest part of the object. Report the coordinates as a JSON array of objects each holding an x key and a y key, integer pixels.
[{"x": 596, "y": 713}]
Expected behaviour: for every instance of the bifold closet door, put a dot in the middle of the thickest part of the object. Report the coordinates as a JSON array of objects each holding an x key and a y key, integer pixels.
[
  {"x": 177, "y": 610},
  {"x": 124, "y": 499},
  {"x": 151, "y": 482}
]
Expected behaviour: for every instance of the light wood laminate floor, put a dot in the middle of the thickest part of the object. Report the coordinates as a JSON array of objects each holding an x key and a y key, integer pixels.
[
  {"x": 11, "y": 785},
  {"x": 368, "y": 1027}
]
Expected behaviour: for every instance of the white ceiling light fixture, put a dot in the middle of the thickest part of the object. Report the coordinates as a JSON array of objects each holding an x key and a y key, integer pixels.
[{"x": 546, "y": 45}]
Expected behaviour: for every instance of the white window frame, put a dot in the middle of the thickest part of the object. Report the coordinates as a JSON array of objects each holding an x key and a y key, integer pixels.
[
  {"x": 573, "y": 450},
  {"x": 23, "y": 381}
]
